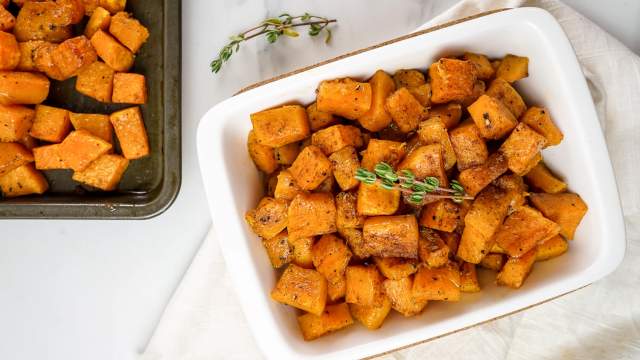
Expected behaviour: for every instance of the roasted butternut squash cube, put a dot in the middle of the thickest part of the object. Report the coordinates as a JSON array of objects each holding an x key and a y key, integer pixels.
[
  {"x": 433, "y": 131},
  {"x": 280, "y": 126},
  {"x": 344, "y": 97},
  {"x": 404, "y": 109},
  {"x": 269, "y": 218},
  {"x": 497, "y": 249},
  {"x": 565, "y": 209},
  {"x": 28, "y": 141},
  {"x": 391, "y": 236},
  {"x": 484, "y": 70},
  {"x": 395, "y": 267},
  {"x": 131, "y": 133},
  {"x": 43, "y": 61},
  {"x": 468, "y": 145},
  {"x": 311, "y": 168},
  {"x": 551, "y": 248},
  {"x": 301, "y": 288},
  {"x": 516, "y": 187},
  {"x": 104, "y": 173},
  {"x": 114, "y": 54},
  {"x": 50, "y": 124},
  {"x": 7, "y": 20},
  {"x": 337, "y": 290},
  {"x": 99, "y": 20},
  {"x": 521, "y": 147},
  {"x": 479, "y": 89},
  {"x": 96, "y": 81},
  {"x": 355, "y": 240},
  {"x": 97, "y": 124},
  {"x": 48, "y": 157},
  {"x": 469, "y": 278},
  {"x": 312, "y": 214},
  {"x": 13, "y": 155},
  {"x": 287, "y": 154},
  {"x": 371, "y": 317},
  {"x": 487, "y": 212},
  {"x": 15, "y": 122},
  {"x": 42, "y": 21},
  {"x": 523, "y": 230},
  {"x": 263, "y": 156},
  {"x": 113, "y": 6},
  {"x": 426, "y": 161},
  {"x": 301, "y": 254},
  {"x": 344, "y": 164},
  {"x": 493, "y": 261},
  {"x": 374, "y": 200},
  {"x": 516, "y": 270},
  {"x": 337, "y": 137},
  {"x": 377, "y": 118},
  {"x": 73, "y": 9},
  {"x": 441, "y": 283},
  {"x": 318, "y": 119},
  {"x": 331, "y": 257},
  {"x": 492, "y": 117},
  {"x": 400, "y": 293},
  {"x": 129, "y": 88},
  {"x": 451, "y": 80},
  {"x": 443, "y": 215},
  {"x": 346, "y": 211},
  {"x": 81, "y": 148},
  {"x": 286, "y": 187},
  {"x": 23, "y": 180},
  {"x": 128, "y": 30},
  {"x": 503, "y": 91},
  {"x": 335, "y": 317},
  {"x": 364, "y": 285},
  {"x": 513, "y": 67},
  {"x": 477, "y": 178},
  {"x": 432, "y": 250},
  {"x": 9, "y": 51},
  {"x": 408, "y": 78},
  {"x": 449, "y": 114},
  {"x": 278, "y": 249},
  {"x": 73, "y": 55},
  {"x": 28, "y": 54},
  {"x": 379, "y": 151},
  {"x": 539, "y": 120},
  {"x": 452, "y": 239},
  {"x": 22, "y": 88},
  {"x": 90, "y": 6}
]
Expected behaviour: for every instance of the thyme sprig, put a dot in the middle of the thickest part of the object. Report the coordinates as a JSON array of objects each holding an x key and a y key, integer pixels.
[
  {"x": 417, "y": 192},
  {"x": 273, "y": 28}
]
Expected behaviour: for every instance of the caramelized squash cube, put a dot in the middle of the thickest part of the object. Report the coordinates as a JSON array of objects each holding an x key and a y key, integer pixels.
[
  {"x": 426, "y": 161},
  {"x": 432, "y": 250},
  {"x": 9, "y": 51},
  {"x": 345, "y": 163},
  {"x": 301, "y": 253},
  {"x": 114, "y": 54},
  {"x": 346, "y": 211},
  {"x": 48, "y": 157},
  {"x": 441, "y": 283},
  {"x": 43, "y": 61},
  {"x": 99, "y": 20},
  {"x": 23, "y": 180},
  {"x": 336, "y": 137},
  {"x": 378, "y": 151},
  {"x": 310, "y": 168},
  {"x": 280, "y": 126},
  {"x": 278, "y": 249},
  {"x": 81, "y": 148},
  {"x": 7, "y": 20},
  {"x": 312, "y": 214},
  {"x": 451, "y": 80},
  {"x": 400, "y": 292},
  {"x": 493, "y": 261},
  {"x": 469, "y": 278},
  {"x": 129, "y": 31},
  {"x": 97, "y": 124},
  {"x": 565, "y": 209},
  {"x": 484, "y": 70},
  {"x": 521, "y": 147},
  {"x": 104, "y": 173},
  {"x": 433, "y": 131},
  {"x": 477, "y": 178},
  {"x": 468, "y": 146},
  {"x": 269, "y": 218},
  {"x": 73, "y": 55},
  {"x": 492, "y": 117},
  {"x": 15, "y": 122},
  {"x": 301, "y": 288},
  {"x": 22, "y": 88},
  {"x": 42, "y": 21},
  {"x": 513, "y": 67},
  {"x": 551, "y": 248},
  {"x": 129, "y": 88},
  {"x": 449, "y": 114},
  {"x": 263, "y": 156},
  {"x": 391, "y": 236},
  {"x": 374, "y": 200},
  {"x": 404, "y": 109},
  {"x": 113, "y": 6},
  {"x": 516, "y": 270},
  {"x": 364, "y": 285},
  {"x": 503, "y": 91},
  {"x": 344, "y": 97},
  {"x": 337, "y": 290},
  {"x": 28, "y": 51},
  {"x": 395, "y": 267},
  {"x": 131, "y": 133},
  {"x": 371, "y": 317},
  {"x": 539, "y": 120},
  {"x": 331, "y": 257},
  {"x": 13, "y": 155},
  {"x": 96, "y": 81},
  {"x": 377, "y": 118},
  {"x": 335, "y": 317},
  {"x": 50, "y": 124},
  {"x": 286, "y": 187},
  {"x": 443, "y": 215},
  {"x": 523, "y": 230}
]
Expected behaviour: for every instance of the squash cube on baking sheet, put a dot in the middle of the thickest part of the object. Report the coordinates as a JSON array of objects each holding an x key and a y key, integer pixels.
[
  {"x": 433, "y": 131},
  {"x": 451, "y": 80},
  {"x": 539, "y": 120},
  {"x": 318, "y": 119},
  {"x": 364, "y": 285},
  {"x": 371, "y": 317},
  {"x": 391, "y": 236},
  {"x": 482, "y": 64},
  {"x": 404, "y": 109},
  {"x": 426, "y": 161},
  {"x": 551, "y": 248},
  {"x": 523, "y": 230},
  {"x": 468, "y": 145},
  {"x": 345, "y": 163},
  {"x": 269, "y": 218},
  {"x": 565, "y": 209},
  {"x": 469, "y": 278},
  {"x": 73, "y": 55},
  {"x": 312, "y": 214},
  {"x": 15, "y": 122},
  {"x": 129, "y": 88},
  {"x": 400, "y": 292},
  {"x": 432, "y": 250},
  {"x": 99, "y": 20},
  {"x": 286, "y": 187},
  {"x": 114, "y": 54},
  {"x": 378, "y": 151},
  {"x": 493, "y": 261},
  {"x": 492, "y": 117},
  {"x": 336, "y": 137},
  {"x": 503, "y": 91},
  {"x": 374, "y": 200},
  {"x": 28, "y": 54},
  {"x": 335, "y": 317},
  {"x": 96, "y": 81},
  {"x": 311, "y": 168},
  {"x": 441, "y": 283},
  {"x": 13, "y": 155},
  {"x": 331, "y": 257},
  {"x": 7, "y": 20},
  {"x": 443, "y": 215},
  {"x": 9, "y": 51},
  {"x": 301, "y": 253},
  {"x": 43, "y": 61},
  {"x": 278, "y": 249},
  {"x": 50, "y": 124},
  {"x": 113, "y": 6},
  {"x": 131, "y": 133},
  {"x": 81, "y": 148},
  {"x": 280, "y": 126},
  {"x": 23, "y": 180},
  {"x": 477, "y": 178},
  {"x": 97, "y": 124},
  {"x": 521, "y": 147},
  {"x": 104, "y": 173},
  {"x": 344, "y": 97},
  {"x": 449, "y": 114},
  {"x": 48, "y": 157},
  {"x": 541, "y": 178},
  {"x": 263, "y": 156},
  {"x": 42, "y": 21},
  {"x": 22, "y": 88},
  {"x": 396, "y": 267},
  {"x": 129, "y": 31},
  {"x": 516, "y": 270},
  {"x": 512, "y": 68},
  {"x": 377, "y": 118},
  {"x": 301, "y": 288},
  {"x": 347, "y": 216}
]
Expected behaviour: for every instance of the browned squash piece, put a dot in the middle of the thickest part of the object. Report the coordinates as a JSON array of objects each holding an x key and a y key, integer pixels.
[
  {"x": 28, "y": 51},
  {"x": 312, "y": 214},
  {"x": 452, "y": 240},
  {"x": 479, "y": 89},
  {"x": 337, "y": 290},
  {"x": 378, "y": 151},
  {"x": 469, "y": 278},
  {"x": 301, "y": 254},
  {"x": 22, "y": 88},
  {"x": 98, "y": 20},
  {"x": 23, "y": 180},
  {"x": 50, "y": 124},
  {"x": 280, "y": 126},
  {"x": 15, "y": 122},
  {"x": 9, "y": 51},
  {"x": 400, "y": 292},
  {"x": 72, "y": 55},
  {"x": 377, "y": 118},
  {"x": 432, "y": 250},
  {"x": 523, "y": 230},
  {"x": 551, "y": 248},
  {"x": 396, "y": 268},
  {"x": 364, "y": 286},
  {"x": 278, "y": 249},
  {"x": 286, "y": 187},
  {"x": 426, "y": 161},
  {"x": 13, "y": 155},
  {"x": 449, "y": 114},
  {"x": 513, "y": 67},
  {"x": 539, "y": 120},
  {"x": 541, "y": 178},
  {"x": 468, "y": 145},
  {"x": 310, "y": 168},
  {"x": 441, "y": 283},
  {"x": 516, "y": 187},
  {"x": 347, "y": 216},
  {"x": 336, "y": 137},
  {"x": 263, "y": 156},
  {"x": 48, "y": 158},
  {"x": 114, "y": 54},
  {"x": 344, "y": 164},
  {"x": 335, "y": 317},
  {"x": 104, "y": 173},
  {"x": 301, "y": 288},
  {"x": 129, "y": 88},
  {"x": 97, "y": 124},
  {"x": 391, "y": 236},
  {"x": 371, "y": 317},
  {"x": 42, "y": 21},
  {"x": 375, "y": 200},
  {"x": 482, "y": 64},
  {"x": 7, "y": 20},
  {"x": 408, "y": 78},
  {"x": 443, "y": 215},
  {"x": 128, "y": 30},
  {"x": 331, "y": 257},
  {"x": 521, "y": 147},
  {"x": 344, "y": 97},
  {"x": 492, "y": 261},
  {"x": 131, "y": 132},
  {"x": 477, "y": 178},
  {"x": 451, "y": 80},
  {"x": 433, "y": 131},
  {"x": 503, "y": 91},
  {"x": 269, "y": 218},
  {"x": 516, "y": 270},
  {"x": 287, "y": 154},
  {"x": 318, "y": 119},
  {"x": 404, "y": 109},
  {"x": 492, "y": 117},
  {"x": 355, "y": 240},
  {"x": 565, "y": 209}
]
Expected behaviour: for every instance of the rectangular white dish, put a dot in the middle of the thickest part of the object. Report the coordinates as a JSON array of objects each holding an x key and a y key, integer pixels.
[{"x": 233, "y": 185}]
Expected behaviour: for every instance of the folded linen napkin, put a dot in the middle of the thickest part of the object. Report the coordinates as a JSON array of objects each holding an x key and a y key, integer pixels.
[{"x": 203, "y": 320}]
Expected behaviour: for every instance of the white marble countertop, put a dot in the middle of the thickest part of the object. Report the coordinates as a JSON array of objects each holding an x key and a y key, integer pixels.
[{"x": 95, "y": 289}]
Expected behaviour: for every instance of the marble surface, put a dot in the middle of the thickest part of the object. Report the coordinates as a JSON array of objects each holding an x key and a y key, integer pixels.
[{"x": 93, "y": 289}]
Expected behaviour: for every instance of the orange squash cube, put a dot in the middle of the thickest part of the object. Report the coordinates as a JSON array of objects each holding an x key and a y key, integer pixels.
[
  {"x": 404, "y": 109},
  {"x": 81, "y": 148},
  {"x": 540, "y": 177},
  {"x": 331, "y": 257},
  {"x": 391, "y": 236},
  {"x": 516, "y": 270},
  {"x": 13, "y": 155},
  {"x": 129, "y": 31},
  {"x": 131, "y": 133},
  {"x": 22, "y": 88},
  {"x": 346, "y": 215},
  {"x": 319, "y": 119},
  {"x": 312, "y": 214},
  {"x": 483, "y": 65},
  {"x": 336, "y": 137},
  {"x": 129, "y": 88},
  {"x": 304, "y": 289},
  {"x": 449, "y": 114},
  {"x": 114, "y": 54},
  {"x": 503, "y": 91},
  {"x": 469, "y": 278},
  {"x": 477, "y": 178},
  {"x": 493, "y": 261},
  {"x": 432, "y": 250},
  {"x": 96, "y": 81},
  {"x": 374, "y": 200},
  {"x": 345, "y": 163},
  {"x": 565, "y": 209},
  {"x": 371, "y": 317},
  {"x": 15, "y": 122},
  {"x": 278, "y": 249},
  {"x": 437, "y": 283},
  {"x": 269, "y": 218},
  {"x": 492, "y": 117},
  {"x": 28, "y": 54},
  {"x": 97, "y": 124},
  {"x": 73, "y": 55},
  {"x": 113, "y": 6},
  {"x": 99, "y": 20},
  {"x": 513, "y": 67},
  {"x": 395, "y": 267},
  {"x": 104, "y": 173},
  {"x": 9, "y": 51},
  {"x": 301, "y": 254},
  {"x": 551, "y": 248},
  {"x": 400, "y": 292},
  {"x": 521, "y": 148},
  {"x": 426, "y": 161},
  {"x": 523, "y": 230},
  {"x": 311, "y": 168},
  {"x": 43, "y": 61},
  {"x": 539, "y": 120},
  {"x": 48, "y": 157},
  {"x": 43, "y": 21},
  {"x": 344, "y": 97},
  {"x": 443, "y": 215},
  {"x": 263, "y": 156},
  {"x": 7, "y": 20},
  {"x": 24, "y": 180},
  {"x": 451, "y": 80},
  {"x": 378, "y": 151},
  {"x": 377, "y": 118},
  {"x": 335, "y": 317},
  {"x": 280, "y": 126},
  {"x": 364, "y": 285},
  {"x": 286, "y": 187},
  {"x": 433, "y": 131},
  {"x": 50, "y": 124}
]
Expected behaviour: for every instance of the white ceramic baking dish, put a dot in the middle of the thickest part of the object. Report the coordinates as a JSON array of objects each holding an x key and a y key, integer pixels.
[{"x": 233, "y": 185}]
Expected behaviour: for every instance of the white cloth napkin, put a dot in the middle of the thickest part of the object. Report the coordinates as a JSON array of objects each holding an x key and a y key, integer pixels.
[{"x": 204, "y": 321}]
